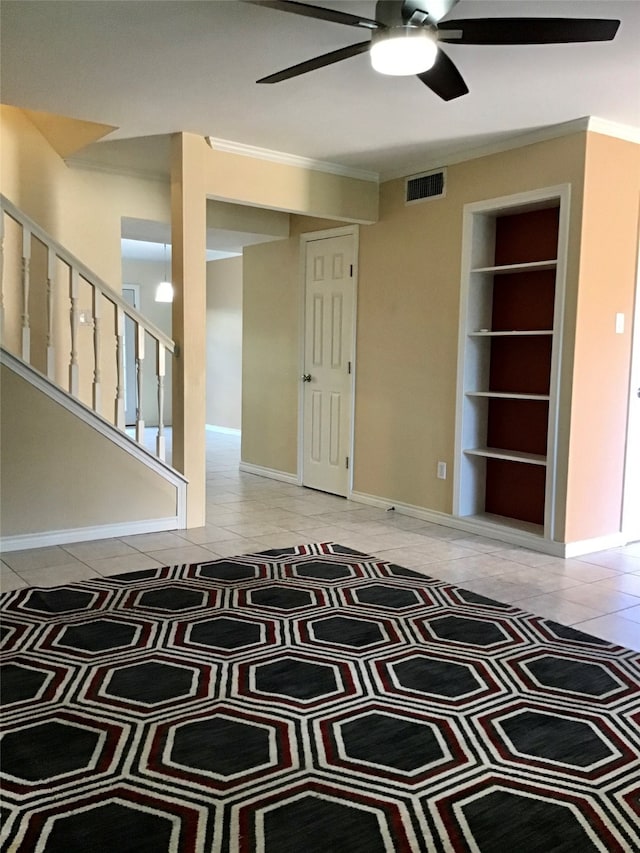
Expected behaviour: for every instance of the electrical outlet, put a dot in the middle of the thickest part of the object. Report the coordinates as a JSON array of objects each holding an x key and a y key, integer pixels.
[{"x": 442, "y": 471}]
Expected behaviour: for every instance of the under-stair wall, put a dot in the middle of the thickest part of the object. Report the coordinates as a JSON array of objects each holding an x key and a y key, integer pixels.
[{"x": 68, "y": 475}]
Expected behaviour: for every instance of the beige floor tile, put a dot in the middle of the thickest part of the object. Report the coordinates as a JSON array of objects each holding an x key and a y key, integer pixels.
[
  {"x": 187, "y": 554},
  {"x": 537, "y": 578},
  {"x": 584, "y": 572},
  {"x": 632, "y": 613},
  {"x": 614, "y": 560},
  {"x": 237, "y": 547},
  {"x": 9, "y": 580},
  {"x": 37, "y": 558},
  {"x": 280, "y": 540},
  {"x": 627, "y": 583},
  {"x": 501, "y": 589},
  {"x": 328, "y": 533},
  {"x": 99, "y": 548},
  {"x": 526, "y": 557},
  {"x": 614, "y": 627},
  {"x": 408, "y": 557},
  {"x": 599, "y": 599},
  {"x": 154, "y": 541},
  {"x": 250, "y": 529},
  {"x": 131, "y": 562},
  {"x": 58, "y": 575},
  {"x": 208, "y": 534},
  {"x": 552, "y": 607}
]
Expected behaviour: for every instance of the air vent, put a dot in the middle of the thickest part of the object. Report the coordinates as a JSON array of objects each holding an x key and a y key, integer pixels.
[{"x": 424, "y": 186}]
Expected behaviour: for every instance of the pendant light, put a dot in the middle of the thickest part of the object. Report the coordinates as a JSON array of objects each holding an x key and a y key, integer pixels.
[{"x": 164, "y": 290}]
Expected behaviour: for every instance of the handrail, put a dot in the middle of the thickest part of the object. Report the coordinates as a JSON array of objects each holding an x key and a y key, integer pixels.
[
  {"x": 87, "y": 274},
  {"x": 47, "y": 289}
]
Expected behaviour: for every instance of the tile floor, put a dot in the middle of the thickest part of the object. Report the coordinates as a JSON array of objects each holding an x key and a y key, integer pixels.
[{"x": 599, "y": 593}]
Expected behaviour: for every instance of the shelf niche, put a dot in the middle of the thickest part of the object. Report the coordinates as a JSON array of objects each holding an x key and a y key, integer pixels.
[{"x": 508, "y": 348}]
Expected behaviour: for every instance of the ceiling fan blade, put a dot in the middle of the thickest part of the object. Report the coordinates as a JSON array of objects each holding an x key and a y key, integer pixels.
[
  {"x": 309, "y": 11},
  {"x": 317, "y": 62},
  {"x": 528, "y": 30},
  {"x": 444, "y": 79}
]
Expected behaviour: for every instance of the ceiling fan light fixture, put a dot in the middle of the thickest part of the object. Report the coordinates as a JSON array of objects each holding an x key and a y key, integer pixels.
[{"x": 402, "y": 51}]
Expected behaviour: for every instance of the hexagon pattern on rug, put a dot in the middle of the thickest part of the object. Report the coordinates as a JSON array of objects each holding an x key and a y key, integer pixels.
[{"x": 309, "y": 698}]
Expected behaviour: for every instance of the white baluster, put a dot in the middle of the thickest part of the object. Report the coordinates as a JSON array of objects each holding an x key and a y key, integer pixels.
[
  {"x": 139, "y": 366},
  {"x": 51, "y": 351},
  {"x": 161, "y": 371},
  {"x": 26, "y": 276},
  {"x": 97, "y": 317},
  {"x": 74, "y": 369},
  {"x": 1, "y": 275},
  {"x": 119, "y": 413}
]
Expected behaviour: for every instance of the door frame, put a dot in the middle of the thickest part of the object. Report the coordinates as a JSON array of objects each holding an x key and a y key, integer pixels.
[{"x": 352, "y": 231}]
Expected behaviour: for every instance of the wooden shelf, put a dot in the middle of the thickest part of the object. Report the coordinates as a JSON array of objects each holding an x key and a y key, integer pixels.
[
  {"x": 507, "y": 269},
  {"x": 508, "y": 455},
  {"x": 522, "y": 333},
  {"x": 507, "y": 395}
]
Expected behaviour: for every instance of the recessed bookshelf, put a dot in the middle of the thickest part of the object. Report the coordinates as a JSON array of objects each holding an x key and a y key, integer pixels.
[{"x": 509, "y": 342}]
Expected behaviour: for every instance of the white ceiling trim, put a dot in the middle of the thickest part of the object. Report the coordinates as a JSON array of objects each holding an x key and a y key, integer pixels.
[
  {"x": 231, "y": 147},
  {"x": 554, "y": 131},
  {"x": 612, "y": 128}
]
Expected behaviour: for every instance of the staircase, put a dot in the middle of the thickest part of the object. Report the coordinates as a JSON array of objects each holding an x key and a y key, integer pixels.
[{"x": 63, "y": 334}]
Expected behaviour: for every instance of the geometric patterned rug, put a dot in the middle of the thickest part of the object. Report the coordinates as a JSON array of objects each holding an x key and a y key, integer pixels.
[{"x": 309, "y": 700}]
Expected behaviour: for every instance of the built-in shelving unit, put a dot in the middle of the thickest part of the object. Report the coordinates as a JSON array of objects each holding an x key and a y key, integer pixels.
[{"x": 510, "y": 328}]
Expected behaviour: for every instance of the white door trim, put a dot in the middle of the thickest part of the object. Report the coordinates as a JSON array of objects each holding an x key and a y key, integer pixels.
[{"x": 310, "y": 236}]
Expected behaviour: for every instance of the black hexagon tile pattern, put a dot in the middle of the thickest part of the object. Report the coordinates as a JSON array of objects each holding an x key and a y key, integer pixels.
[{"x": 309, "y": 700}]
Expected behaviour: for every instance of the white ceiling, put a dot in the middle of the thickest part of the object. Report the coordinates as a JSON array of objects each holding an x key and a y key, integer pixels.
[{"x": 152, "y": 67}]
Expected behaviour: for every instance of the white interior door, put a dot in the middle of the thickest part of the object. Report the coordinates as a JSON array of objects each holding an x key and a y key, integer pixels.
[{"x": 327, "y": 371}]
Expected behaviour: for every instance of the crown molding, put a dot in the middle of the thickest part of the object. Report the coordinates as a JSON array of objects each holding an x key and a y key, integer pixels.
[
  {"x": 541, "y": 134},
  {"x": 230, "y": 147},
  {"x": 613, "y": 128}
]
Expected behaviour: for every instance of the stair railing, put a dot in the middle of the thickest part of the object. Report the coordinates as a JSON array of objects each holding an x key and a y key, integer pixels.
[{"x": 43, "y": 293}]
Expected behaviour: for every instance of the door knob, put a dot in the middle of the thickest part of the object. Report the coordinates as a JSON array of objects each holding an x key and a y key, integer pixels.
[{"x": 306, "y": 377}]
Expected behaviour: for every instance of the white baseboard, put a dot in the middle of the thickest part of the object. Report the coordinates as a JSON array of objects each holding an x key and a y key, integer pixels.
[
  {"x": 590, "y": 546},
  {"x": 496, "y": 531},
  {"x": 221, "y": 429},
  {"x": 481, "y": 528},
  {"x": 84, "y": 534},
  {"x": 283, "y": 476}
]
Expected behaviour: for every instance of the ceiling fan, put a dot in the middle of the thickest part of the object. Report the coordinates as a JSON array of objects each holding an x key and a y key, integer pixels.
[{"x": 406, "y": 38}]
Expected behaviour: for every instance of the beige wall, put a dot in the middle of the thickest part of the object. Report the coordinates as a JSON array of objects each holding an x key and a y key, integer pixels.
[
  {"x": 146, "y": 275},
  {"x": 58, "y": 473},
  {"x": 407, "y": 331},
  {"x": 270, "y": 349},
  {"x": 280, "y": 186},
  {"x": 81, "y": 209},
  {"x": 224, "y": 343},
  {"x": 602, "y": 357},
  {"x": 408, "y": 308}
]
